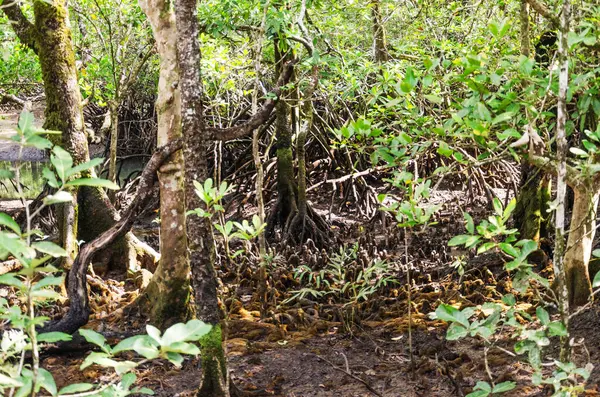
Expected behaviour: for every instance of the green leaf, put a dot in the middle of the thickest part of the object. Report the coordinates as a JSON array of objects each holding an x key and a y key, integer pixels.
[
  {"x": 434, "y": 99},
  {"x": 579, "y": 152},
  {"x": 504, "y": 387},
  {"x": 183, "y": 347},
  {"x": 92, "y": 358},
  {"x": 175, "y": 358},
  {"x": 75, "y": 388},
  {"x": 48, "y": 247},
  {"x": 142, "y": 344},
  {"x": 25, "y": 123},
  {"x": 451, "y": 314},
  {"x": 6, "y": 381},
  {"x": 46, "y": 282},
  {"x": 95, "y": 338},
  {"x": 557, "y": 328},
  {"x": 509, "y": 249},
  {"x": 7, "y": 221},
  {"x": 85, "y": 166},
  {"x": 456, "y": 331},
  {"x": 58, "y": 197},
  {"x": 478, "y": 393},
  {"x": 459, "y": 240},
  {"x": 542, "y": 315},
  {"x": 509, "y": 299},
  {"x": 501, "y": 118},
  {"x": 469, "y": 224},
  {"x": 62, "y": 162},
  {"x": 96, "y": 182},
  {"x": 10, "y": 279},
  {"x": 154, "y": 333},
  {"x": 52, "y": 337},
  {"x": 497, "y": 206},
  {"x": 596, "y": 282},
  {"x": 46, "y": 294},
  {"x": 190, "y": 331},
  {"x": 46, "y": 381}
]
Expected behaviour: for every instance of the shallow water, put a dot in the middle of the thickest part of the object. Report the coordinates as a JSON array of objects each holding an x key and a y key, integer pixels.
[{"x": 30, "y": 177}]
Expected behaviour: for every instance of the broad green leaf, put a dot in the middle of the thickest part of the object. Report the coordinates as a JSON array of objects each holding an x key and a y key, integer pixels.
[
  {"x": 52, "y": 337},
  {"x": 542, "y": 315},
  {"x": 596, "y": 282},
  {"x": 504, "y": 387},
  {"x": 95, "y": 338},
  {"x": 154, "y": 333},
  {"x": 451, "y": 314},
  {"x": 58, "y": 197},
  {"x": 50, "y": 248},
  {"x": 46, "y": 294},
  {"x": 190, "y": 331},
  {"x": 469, "y": 224},
  {"x": 183, "y": 348},
  {"x": 92, "y": 358},
  {"x": 175, "y": 358},
  {"x": 459, "y": 240},
  {"x": 502, "y": 118},
  {"x": 456, "y": 331},
  {"x": 85, "y": 166},
  {"x": 557, "y": 328},
  {"x": 478, "y": 393},
  {"x": 62, "y": 162},
  {"x": 10, "y": 279},
  {"x": 46, "y": 381},
  {"x": 46, "y": 282},
  {"x": 25, "y": 123},
  {"x": 6, "y": 381},
  {"x": 9, "y": 222},
  {"x": 96, "y": 182}
]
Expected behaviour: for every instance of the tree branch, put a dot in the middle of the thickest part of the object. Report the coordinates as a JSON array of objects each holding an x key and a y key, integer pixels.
[
  {"x": 23, "y": 28},
  {"x": 226, "y": 134},
  {"x": 544, "y": 11},
  {"x": 79, "y": 307}
]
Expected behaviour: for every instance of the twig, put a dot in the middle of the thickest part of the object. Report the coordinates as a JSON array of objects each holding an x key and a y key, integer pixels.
[{"x": 350, "y": 375}]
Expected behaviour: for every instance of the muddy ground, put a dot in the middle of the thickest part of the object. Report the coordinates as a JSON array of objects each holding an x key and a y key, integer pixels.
[{"x": 323, "y": 349}]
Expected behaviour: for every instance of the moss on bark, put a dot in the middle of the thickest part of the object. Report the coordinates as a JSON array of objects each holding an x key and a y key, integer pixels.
[{"x": 214, "y": 367}]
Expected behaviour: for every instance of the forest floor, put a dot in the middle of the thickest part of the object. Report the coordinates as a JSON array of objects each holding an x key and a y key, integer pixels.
[
  {"x": 339, "y": 354},
  {"x": 327, "y": 348}
]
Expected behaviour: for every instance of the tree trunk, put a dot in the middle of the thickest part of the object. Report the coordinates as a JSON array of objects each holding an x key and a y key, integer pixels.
[
  {"x": 580, "y": 245},
  {"x": 50, "y": 38},
  {"x": 561, "y": 184},
  {"x": 168, "y": 294},
  {"x": 535, "y": 188},
  {"x": 379, "y": 39},
  {"x": 200, "y": 239},
  {"x": 114, "y": 139}
]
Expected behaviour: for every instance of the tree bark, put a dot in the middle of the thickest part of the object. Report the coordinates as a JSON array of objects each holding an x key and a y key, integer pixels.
[
  {"x": 379, "y": 39},
  {"x": 168, "y": 294},
  {"x": 561, "y": 184},
  {"x": 580, "y": 244},
  {"x": 200, "y": 238}
]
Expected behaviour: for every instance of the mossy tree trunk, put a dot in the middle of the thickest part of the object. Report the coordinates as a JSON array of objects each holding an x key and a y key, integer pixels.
[
  {"x": 168, "y": 294},
  {"x": 50, "y": 37},
  {"x": 531, "y": 215},
  {"x": 215, "y": 380}
]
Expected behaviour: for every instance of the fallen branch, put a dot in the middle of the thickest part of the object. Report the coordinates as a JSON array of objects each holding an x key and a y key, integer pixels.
[{"x": 79, "y": 306}]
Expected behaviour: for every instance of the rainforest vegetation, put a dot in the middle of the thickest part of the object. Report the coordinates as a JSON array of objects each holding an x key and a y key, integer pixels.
[{"x": 299, "y": 198}]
